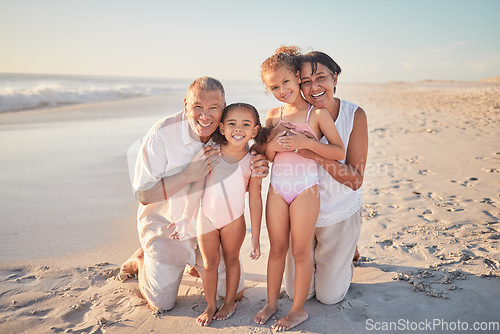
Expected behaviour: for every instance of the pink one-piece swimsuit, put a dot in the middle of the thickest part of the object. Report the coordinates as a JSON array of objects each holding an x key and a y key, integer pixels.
[{"x": 291, "y": 173}]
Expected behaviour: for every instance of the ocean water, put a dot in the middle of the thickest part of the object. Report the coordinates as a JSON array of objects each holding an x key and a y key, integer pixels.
[{"x": 33, "y": 91}]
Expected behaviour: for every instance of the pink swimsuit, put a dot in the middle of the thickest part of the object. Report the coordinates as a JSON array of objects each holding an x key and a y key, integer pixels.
[
  {"x": 225, "y": 188},
  {"x": 291, "y": 173}
]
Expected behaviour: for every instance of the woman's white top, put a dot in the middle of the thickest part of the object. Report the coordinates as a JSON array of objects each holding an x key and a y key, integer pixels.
[{"x": 338, "y": 202}]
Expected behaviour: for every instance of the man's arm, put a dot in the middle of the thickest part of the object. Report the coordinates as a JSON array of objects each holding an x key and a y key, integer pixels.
[{"x": 198, "y": 168}]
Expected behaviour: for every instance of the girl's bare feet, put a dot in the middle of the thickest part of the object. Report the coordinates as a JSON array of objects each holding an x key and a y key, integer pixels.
[
  {"x": 225, "y": 312},
  {"x": 291, "y": 320},
  {"x": 263, "y": 315},
  {"x": 131, "y": 266},
  {"x": 205, "y": 318}
]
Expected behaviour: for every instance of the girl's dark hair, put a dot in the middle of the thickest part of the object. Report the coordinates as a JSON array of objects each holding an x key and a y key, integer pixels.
[
  {"x": 287, "y": 56},
  {"x": 316, "y": 57},
  {"x": 261, "y": 136}
]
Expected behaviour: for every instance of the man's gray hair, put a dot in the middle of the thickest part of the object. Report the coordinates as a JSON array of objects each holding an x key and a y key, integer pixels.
[{"x": 208, "y": 84}]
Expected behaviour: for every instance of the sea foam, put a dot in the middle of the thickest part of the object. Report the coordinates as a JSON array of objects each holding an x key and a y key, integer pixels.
[{"x": 25, "y": 91}]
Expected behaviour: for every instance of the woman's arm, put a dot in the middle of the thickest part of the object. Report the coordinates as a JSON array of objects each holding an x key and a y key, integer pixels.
[
  {"x": 255, "y": 206},
  {"x": 333, "y": 150},
  {"x": 350, "y": 174}
]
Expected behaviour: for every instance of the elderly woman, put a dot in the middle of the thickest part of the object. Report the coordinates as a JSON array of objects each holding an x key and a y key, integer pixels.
[{"x": 339, "y": 222}]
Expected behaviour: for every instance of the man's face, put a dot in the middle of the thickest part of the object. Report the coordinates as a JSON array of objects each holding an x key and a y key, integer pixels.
[{"x": 204, "y": 110}]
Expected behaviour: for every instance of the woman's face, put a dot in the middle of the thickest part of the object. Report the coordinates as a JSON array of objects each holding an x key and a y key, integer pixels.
[{"x": 317, "y": 87}]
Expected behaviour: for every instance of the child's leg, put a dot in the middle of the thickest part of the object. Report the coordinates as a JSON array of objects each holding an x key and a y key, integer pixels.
[
  {"x": 304, "y": 212},
  {"x": 231, "y": 237},
  {"x": 278, "y": 227},
  {"x": 209, "y": 244}
]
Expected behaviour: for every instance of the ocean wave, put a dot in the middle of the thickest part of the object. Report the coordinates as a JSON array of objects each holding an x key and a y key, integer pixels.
[
  {"x": 31, "y": 91},
  {"x": 53, "y": 95}
]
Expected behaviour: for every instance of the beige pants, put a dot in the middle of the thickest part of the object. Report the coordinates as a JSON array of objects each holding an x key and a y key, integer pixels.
[
  {"x": 159, "y": 282},
  {"x": 332, "y": 252}
]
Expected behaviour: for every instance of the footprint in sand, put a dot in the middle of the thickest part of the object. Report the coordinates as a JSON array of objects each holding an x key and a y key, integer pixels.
[
  {"x": 76, "y": 313},
  {"x": 354, "y": 310},
  {"x": 469, "y": 182},
  {"x": 487, "y": 200},
  {"x": 491, "y": 170}
]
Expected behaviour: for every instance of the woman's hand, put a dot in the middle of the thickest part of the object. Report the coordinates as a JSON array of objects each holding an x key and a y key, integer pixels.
[
  {"x": 294, "y": 142},
  {"x": 274, "y": 144},
  {"x": 283, "y": 126}
]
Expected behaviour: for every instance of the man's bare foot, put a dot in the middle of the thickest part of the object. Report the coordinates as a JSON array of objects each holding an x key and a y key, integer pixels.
[
  {"x": 131, "y": 266},
  {"x": 263, "y": 315},
  {"x": 192, "y": 271},
  {"x": 225, "y": 312},
  {"x": 356, "y": 256},
  {"x": 291, "y": 320},
  {"x": 205, "y": 318}
]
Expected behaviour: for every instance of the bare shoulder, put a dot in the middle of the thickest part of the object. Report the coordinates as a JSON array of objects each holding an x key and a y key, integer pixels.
[
  {"x": 360, "y": 116},
  {"x": 322, "y": 115},
  {"x": 272, "y": 117},
  {"x": 275, "y": 112}
]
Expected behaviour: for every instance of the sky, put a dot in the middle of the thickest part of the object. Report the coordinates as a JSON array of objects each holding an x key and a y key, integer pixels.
[{"x": 374, "y": 41}]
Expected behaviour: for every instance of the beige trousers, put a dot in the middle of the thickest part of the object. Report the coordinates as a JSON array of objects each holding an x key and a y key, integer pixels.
[
  {"x": 332, "y": 252},
  {"x": 159, "y": 282}
]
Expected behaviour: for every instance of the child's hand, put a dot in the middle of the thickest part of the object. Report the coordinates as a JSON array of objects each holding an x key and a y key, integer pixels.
[
  {"x": 180, "y": 230},
  {"x": 255, "y": 253}
]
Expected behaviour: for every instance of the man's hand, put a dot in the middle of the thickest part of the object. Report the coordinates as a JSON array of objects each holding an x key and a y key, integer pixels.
[
  {"x": 180, "y": 230},
  {"x": 203, "y": 162},
  {"x": 259, "y": 165}
]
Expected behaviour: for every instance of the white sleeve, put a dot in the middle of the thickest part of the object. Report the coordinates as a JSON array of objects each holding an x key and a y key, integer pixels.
[{"x": 151, "y": 163}]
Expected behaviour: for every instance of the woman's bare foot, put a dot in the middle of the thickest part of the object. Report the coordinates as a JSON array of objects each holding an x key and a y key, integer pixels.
[
  {"x": 131, "y": 266},
  {"x": 356, "y": 256},
  {"x": 225, "y": 312},
  {"x": 263, "y": 315},
  {"x": 205, "y": 318},
  {"x": 291, "y": 320}
]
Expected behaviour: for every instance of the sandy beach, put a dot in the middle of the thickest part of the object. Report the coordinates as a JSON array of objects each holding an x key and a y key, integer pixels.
[{"x": 429, "y": 240}]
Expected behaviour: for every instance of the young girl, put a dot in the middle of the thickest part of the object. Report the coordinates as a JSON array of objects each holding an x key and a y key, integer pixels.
[
  {"x": 221, "y": 221},
  {"x": 293, "y": 198}
]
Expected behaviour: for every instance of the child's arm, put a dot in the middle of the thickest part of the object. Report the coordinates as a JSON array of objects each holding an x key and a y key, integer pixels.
[
  {"x": 255, "y": 204},
  {"x": 194, "y": 197},
  {"x": 335, "y": 150},
  {"x": 272, "y": 146}
]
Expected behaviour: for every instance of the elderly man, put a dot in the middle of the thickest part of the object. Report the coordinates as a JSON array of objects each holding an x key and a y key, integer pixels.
[{"x": 173, "y": 155}]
